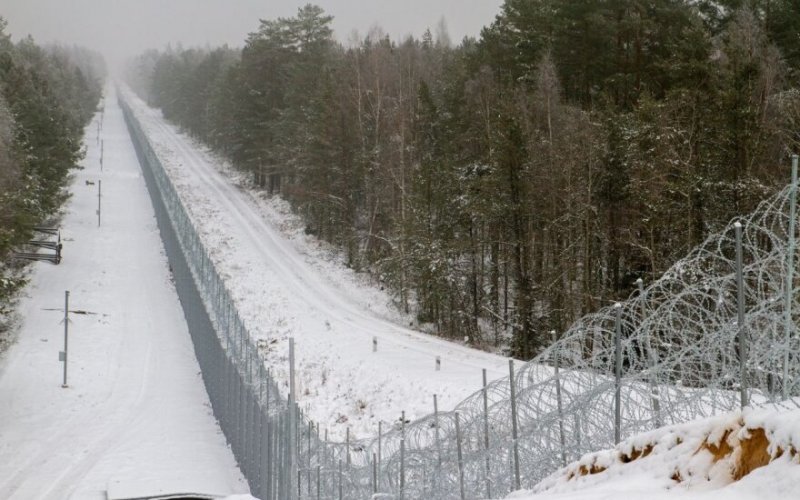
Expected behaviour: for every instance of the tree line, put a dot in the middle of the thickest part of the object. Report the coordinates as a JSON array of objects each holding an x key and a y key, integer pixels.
[
  {"x": 505, "y": 186},
  {"x": 47, "y": 97}
]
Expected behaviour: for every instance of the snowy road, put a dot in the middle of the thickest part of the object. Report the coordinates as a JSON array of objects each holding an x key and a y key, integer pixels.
[
  {"x": 283, "y": 290},
  {"x": 136, "y": 412}
]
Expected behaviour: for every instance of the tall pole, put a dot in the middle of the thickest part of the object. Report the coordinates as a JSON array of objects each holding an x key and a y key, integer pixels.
[
  {"x": 559, "y": 403},
  {"x": 511, "y": 381},
  {"x": 292, "y": 416},
  {"x": 740, "y": 316},
  {"x": 655, "y": 396},
  {"x": 99, "y": 197},
  {"x": 788, "y": 325},
  {"x": 460, "y": 458},
  {"x": 486, "y": 434},
  {"x": 617, "y": 372},
  {"x": 66, "y": 335}
]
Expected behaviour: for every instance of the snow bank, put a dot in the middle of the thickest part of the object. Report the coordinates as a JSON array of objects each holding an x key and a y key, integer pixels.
[{"x": 749, "y": 454}]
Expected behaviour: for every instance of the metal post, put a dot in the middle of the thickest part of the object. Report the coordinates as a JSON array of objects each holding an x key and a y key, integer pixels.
[
  {"x": 460, "y": 457},
  {"x": 99, "y": 197},
  {"x": 402, "y": 468},
  {"x": 652, "y": 359},
  {"x": 347, "y": 446},
  {"x": 788, "y": 324},
  {"x": 486, "y": 434},
  {"x": 374, "y": 474},
  {"x": 740, "y": 316},
  {"x": 438, "y": 363},
  {"x": 341, "y": 496},
  {"x": 66, "y": 336},
  {"x": 559, "y": 403},
  {"x": 511, "y": 381},
  {"x": 292, "y": 463},
  {"x": 617, "y": 372},
  {"x": 318, "y": 489},
  {"x": 436, "y": 434},
  {"x": 380, "y": 438}
]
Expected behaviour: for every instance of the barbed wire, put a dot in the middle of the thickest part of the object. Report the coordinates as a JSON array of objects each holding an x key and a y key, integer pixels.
[{"x": 677, "y": 359}]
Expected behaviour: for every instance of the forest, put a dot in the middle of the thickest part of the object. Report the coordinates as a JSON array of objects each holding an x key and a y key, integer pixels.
[
  {"x": 503, "y": 186},
  {"x": 47, "y": 97}
]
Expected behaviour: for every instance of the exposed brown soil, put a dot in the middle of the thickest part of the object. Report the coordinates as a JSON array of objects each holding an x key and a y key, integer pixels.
[{"x": 753, "y": 453}]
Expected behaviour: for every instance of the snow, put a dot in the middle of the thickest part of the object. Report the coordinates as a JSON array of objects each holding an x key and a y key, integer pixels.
[
  {"x": 135, "y": 414},
  {"x": 686, "y": 451},
  {"x": 287, "y": 284}
]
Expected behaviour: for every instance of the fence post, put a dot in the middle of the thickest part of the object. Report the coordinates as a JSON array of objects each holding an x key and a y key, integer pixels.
[
  {"x": 655, "y": 396},
  {"x": 486, "y": 434},
  {"x": 559, "y": 403},
  {"x": 66, "y": 336},
  {"x": 788, "y": 324},
  {"x": 374, "y": 344},
  {"x": 347, "y": 447},
  {"x": 380, "y": 438},
  {"x": 402, "y": 468},
  {"x": 511, "y": 381},
  {"x": 436, "y": 436},
  {"x": 291, "y": 459},
  {"x": 374, "y": 474},
  {"x": 341, "y": 495},
  {"x": 460, "y": 457},
  {"x": 617, "y": 372},
  {"x": 308, "y": 457},
  {"x": 740, "y": 316},
  {"x": 99, "y": 198}
]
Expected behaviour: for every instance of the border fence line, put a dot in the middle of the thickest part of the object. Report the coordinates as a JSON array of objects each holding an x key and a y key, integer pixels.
[{"x": 672, "y": 352}]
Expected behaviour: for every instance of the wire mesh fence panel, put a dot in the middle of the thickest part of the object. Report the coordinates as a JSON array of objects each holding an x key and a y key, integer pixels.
[{"x": 678, "y": 358}]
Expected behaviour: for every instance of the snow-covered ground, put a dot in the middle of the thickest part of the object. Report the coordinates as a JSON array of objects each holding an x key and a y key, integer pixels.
[
  {"x": 749, "y": 455},
  {"x": 135, "y": 414},
  {"x": 287, "y": 284}
]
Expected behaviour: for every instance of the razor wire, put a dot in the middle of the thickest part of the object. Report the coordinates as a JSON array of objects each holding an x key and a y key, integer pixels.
[{"x": 674, "y": 344}]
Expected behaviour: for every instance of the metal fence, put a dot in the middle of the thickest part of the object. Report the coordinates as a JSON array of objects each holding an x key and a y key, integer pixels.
[{"x": 717, "y": 330}]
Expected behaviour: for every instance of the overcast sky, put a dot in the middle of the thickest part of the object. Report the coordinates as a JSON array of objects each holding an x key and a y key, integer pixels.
[{"x": 123, "y": 27}]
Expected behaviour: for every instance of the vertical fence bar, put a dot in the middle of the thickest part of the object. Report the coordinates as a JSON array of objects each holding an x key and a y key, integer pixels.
[
  {"x": 380, "y": 438},
  {"x": 291, "y": 459},
  {"x": 514, "y": 430},
  {"x": 66, "y": 337},
  {"x": 617, "y": 372},
  {"x": 559, "y": 403},
  {"x": 743, "y": 347},
  {"x": 341, "y": 490},
  {"x": 436, "y": 435},
  {"x": 99, "y": 198},
  {"x": 788, "y": 324},
  {"x": 488, "y": 479},
  {"x": 374, "y": 474},
  {"x": 402, "y": 468},
  {"x": 652, "y": 360},
  {"x": 460, "y": 457}
]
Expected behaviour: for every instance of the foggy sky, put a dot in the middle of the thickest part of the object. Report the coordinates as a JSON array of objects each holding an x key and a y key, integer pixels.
[{"x": 119, "y": 28}]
